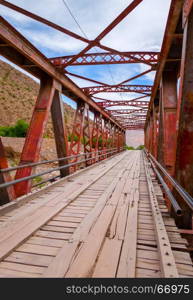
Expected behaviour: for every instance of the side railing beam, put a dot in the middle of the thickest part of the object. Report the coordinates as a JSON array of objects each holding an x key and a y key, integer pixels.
[{"x": 184, "y": 156}]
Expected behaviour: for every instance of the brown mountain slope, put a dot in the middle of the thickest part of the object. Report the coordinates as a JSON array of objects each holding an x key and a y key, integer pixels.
[{"x": 18, "y": 93}]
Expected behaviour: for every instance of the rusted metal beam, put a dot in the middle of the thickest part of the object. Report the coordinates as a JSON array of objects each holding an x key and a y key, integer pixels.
[
  {"x": 60, "y": 132},
  {"x": 128, "y": 111},
  {"x": 33, "y": 141},
  {"x": 188, "y": 4},
  {"x": 161, "y": 144},
  {"x": 42, "y": 20},
  {"x": 155, "y": 130},
  {"x": 173, "y": 19},
  {"x": 184, "y": 157},
  {"x": 126, "y": 88},
  {"x": 85, "y": 78},
  {"x": 77, "y": 132},
  {"x": 95, "y": 135},
  {"x": 113, "y": 24},
  {"x": 108, "y": 58},
  {"x": 87, "y": 142},
  {"x": 136, "y": 76},
  {"x": 110, "y": 103},
  {"x": 117, "y": 101},
  {"x": 169, "y": 98},
  {"x": 6, "y": 194}
]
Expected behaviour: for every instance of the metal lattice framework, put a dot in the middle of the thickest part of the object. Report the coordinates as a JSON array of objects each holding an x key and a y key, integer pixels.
[
  {"x": 107, "y": 127},
  {"x": 110, "y": 56},
  {"x": 149, "y": 58}
]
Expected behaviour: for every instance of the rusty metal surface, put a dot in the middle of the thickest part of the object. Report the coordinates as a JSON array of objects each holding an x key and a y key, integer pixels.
[
  {"x": 108, "y": 58},
  {"x": 173, "y": 18}
]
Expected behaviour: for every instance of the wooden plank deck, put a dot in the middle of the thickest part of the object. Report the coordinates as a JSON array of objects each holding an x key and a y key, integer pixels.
[{"x": 109, "y": 220}]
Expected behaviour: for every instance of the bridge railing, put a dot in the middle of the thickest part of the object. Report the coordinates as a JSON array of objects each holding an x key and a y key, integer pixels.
[
  {"x": 162, "y": 176},
  {"x": 101, "y": 155}
]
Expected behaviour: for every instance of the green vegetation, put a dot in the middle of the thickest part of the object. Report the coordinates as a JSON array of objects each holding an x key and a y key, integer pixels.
[
  {"x": 19, "y": 130},
  {"x": 129, "y": 148},
  {"x": 37, "y": 180},
  {"x": 140, "y": 147}
]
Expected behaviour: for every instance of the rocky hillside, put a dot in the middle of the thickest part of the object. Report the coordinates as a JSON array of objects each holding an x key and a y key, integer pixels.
[{"x": 18, "y": 93}]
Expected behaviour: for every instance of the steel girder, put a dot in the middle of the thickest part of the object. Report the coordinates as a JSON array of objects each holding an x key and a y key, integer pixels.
[
  {"x": 77, "y": 133},
  {"x": 33, "y": 141},
  {"x": 126, "y": 88},
  {"x": 107, "y": 58},
  {"x": 109, "y": 103},
  {"x": 184, "y": 157},
  {"x": 60, "y": 131}
]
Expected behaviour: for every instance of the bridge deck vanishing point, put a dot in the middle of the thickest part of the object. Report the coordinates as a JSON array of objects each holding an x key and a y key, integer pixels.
[{"x": 109, "y": 220}]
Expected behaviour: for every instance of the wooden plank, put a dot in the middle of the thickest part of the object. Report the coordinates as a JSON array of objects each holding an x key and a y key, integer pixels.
[
  {"x": 106, "y": 265},
  {"x": 60, "y": 264},
  {"x": 12, "y": 273},
  {"x": 76, "y": 220},
  {"x": 35, "y": 240},
  {"x": 62, "y": 224},
  {"x": 144, "y": 273},
  {"x": 148, "y": 264},
  {"x": 13, "y": 236},
  {"x": 127, "y": 264},
  {"x": 37, "y": 249},
  {"x": 31, "y": 259},
  {"x": 71, "y": 251},
  {"x": 53, "y": 235},
  {"x": 22, "y": 267},
  {"x": 58, "y": 229},
  {"x": 70, "y": 214},
  {"x": 167, "y": 260}
]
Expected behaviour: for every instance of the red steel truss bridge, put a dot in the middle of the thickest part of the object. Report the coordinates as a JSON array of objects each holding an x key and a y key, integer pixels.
[{"x": 98, "y": 196}]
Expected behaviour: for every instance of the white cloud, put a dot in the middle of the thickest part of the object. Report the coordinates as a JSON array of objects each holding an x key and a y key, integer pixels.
[{"x": 142, "y": 29}]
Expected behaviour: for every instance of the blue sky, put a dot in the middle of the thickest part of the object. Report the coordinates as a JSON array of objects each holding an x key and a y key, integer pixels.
[{"x": 142, "y": 30}]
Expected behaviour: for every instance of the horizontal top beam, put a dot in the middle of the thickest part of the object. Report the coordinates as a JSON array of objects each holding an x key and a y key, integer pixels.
[
  {"x": 124, "y": 103},
  {"x": 144, "y": 89},
  {"x": 21, "y": 52},
  {"x": 107, "y": 58}
]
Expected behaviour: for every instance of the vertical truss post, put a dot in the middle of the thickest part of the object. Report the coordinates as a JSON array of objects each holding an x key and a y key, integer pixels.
[
  {"x": 33, "y": 141},
  {"x": 184, "y": 156},
  {"x": 6, "y": 194},
  {"x": 113, "y": 135},
  {"x": 60, "y": 132},
  {"x": 95, "y": 135},
  {"x": 77, "y": 133},
  {"x": 101, "y": 140},
  {"x": 161, "y": 146},
  {"x": 151, "y": 133},
  {"x": 155, "y": 130},
  {"x": 169, "y": 98},
  {"x": 124, "y": 137},
  {"x": 146, "y": 133},
  {"x": 108, "y": 136},
  {"x": 87, "y": 136},
  {"x": 117, "y": 138},
  {"x": 105, "y": 138}
]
